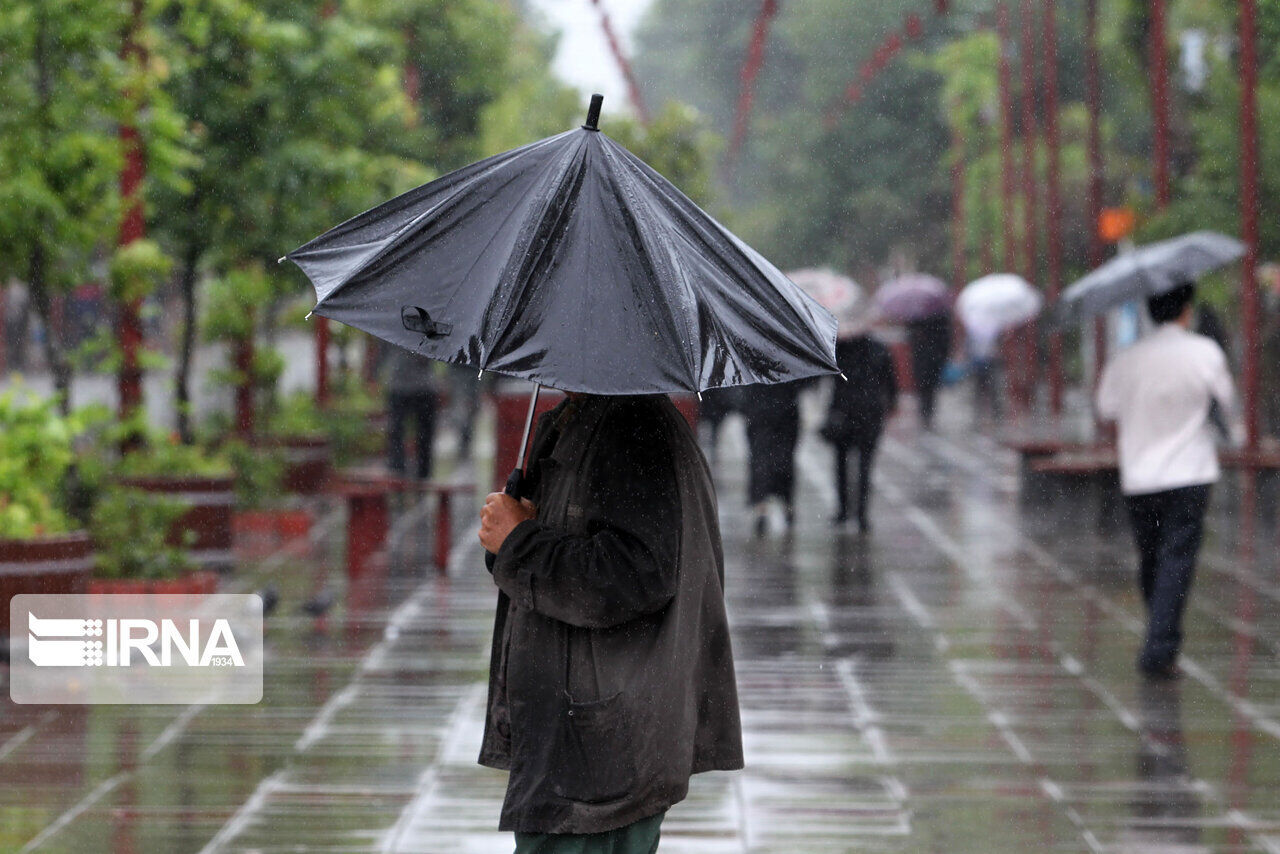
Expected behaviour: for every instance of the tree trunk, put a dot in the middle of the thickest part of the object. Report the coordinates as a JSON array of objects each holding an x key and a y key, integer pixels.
[
  {"x": 186, "y": 343},
  {"x": 54, "y": 351}
]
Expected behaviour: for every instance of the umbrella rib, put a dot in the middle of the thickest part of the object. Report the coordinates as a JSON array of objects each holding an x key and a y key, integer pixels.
[{"x": 527, "y": 259}]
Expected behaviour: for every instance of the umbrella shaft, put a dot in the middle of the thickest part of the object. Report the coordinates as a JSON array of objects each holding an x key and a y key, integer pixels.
[{"x": 528, "y": 425}]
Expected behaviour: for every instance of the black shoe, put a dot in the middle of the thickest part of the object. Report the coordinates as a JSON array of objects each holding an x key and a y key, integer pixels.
[
  {"x": 839, "y": 519},
  {"x": 864, "y": 526},
  {"x": 1161, "y": 672},
  {"x": 762, "y": 526}
]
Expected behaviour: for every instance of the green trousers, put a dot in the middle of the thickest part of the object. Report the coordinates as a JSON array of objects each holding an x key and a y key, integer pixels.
[{"x": 638, "y": 838}]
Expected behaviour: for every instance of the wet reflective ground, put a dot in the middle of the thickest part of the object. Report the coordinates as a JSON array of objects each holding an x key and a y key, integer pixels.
[{"x": 960, "y": 680}]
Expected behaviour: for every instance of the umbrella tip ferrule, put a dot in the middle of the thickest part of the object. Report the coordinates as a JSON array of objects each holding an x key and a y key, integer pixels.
[
  {"x": 480, "y": 374},
  {"x": 308, "y": 317},
  {"x": 593, "y": 113},
  {"x": 843, "y": 377},
  {"x": 281, "y": 259},
  {"x": 699, "y": 397}
]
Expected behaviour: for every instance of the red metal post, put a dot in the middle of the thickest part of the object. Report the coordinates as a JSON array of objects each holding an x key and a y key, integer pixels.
[
  {"x": 1159, "y": 100},
  {"x": 747, "y": 76},
  {"x": 958, "y": 265},
  {"x": 1093, "y": 104},
  {"x": 1054, "y": 201},
  {"x": 322, "y": 360},
  {"x": 624, "y": 65},
  {"x": 1006, "y": 140},
  {"x": 1249, "y": 216},
  {"x": 132, "y": 227},
  {"x": 1024, "y": 372},
  {"x": 244, "y": 388}
]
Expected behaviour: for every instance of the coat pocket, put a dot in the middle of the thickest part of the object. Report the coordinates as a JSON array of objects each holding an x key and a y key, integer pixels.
[{"x": 593, "y": 761}]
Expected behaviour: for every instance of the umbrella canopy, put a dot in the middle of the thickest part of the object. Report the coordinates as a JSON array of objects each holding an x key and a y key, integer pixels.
[
  {"x": 571, "y": 263},
  {"x": 838, "y": 294},
  {"x": 997, "y": 302},
  {"x": 1145, "y": 271},
  {"x": 914, "y": 296}
]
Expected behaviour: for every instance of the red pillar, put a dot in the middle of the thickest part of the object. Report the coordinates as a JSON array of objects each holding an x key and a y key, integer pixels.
[
  {"x": 1159, "y": 100},
  {"x": 1006, "y": 140},
  {"x": 322, "y": 360},
  {"x": 1249, "y": 216},
  {"x": 747, "y": 76},
  {"x": 244, "y": 389},
  {"x": 1054, "y": 201},
  {"x": 1025, "y": 371},
  {"x": 957, "y": 208},
  {"x": 1093, "y": 104},
  {"x": 132, "y": 227}
]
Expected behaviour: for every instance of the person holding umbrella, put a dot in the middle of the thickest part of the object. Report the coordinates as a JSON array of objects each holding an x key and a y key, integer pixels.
[
  {"x": 569, "y": 262},
  {"x": 1161, "y": 392},
  {"x": 865, "y": 395},
  {"x": 922, "y": 303},
  {"x": 856, "y": 415}
]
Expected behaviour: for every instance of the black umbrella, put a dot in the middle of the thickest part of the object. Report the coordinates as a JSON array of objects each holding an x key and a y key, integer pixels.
[{"x": 571, "y": 263}]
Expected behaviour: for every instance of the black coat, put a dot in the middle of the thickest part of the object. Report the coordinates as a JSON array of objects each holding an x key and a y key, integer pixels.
[
  {"x": 858, "y": 407},
  {"x": 773, "y": 429},
  {"x": 929, "y": 340},
  {"x": 611, "y": 677}
]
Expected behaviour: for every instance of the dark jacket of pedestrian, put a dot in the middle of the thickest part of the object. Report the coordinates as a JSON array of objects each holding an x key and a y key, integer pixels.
[
  {"x": 611, "y": 677},
  {"x": 858, "y": 407},
  {"x": 773, "y": 428},
  {"x": 929, "y": 340}
]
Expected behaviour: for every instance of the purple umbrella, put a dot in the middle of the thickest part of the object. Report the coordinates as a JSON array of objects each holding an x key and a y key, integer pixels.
[{"x": 913, "y": 296}]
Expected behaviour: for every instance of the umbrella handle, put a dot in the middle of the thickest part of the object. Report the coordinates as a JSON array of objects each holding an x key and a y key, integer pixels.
[{"x": 515, "y": 484}]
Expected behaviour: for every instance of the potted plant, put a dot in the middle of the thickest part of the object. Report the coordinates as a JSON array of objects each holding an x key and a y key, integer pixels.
[
  {"x": 136, "y": 553},
  {"x": 187, "y": 473},
  {"x": 300, "y": 430},
  {"x": 43, "y": 549},
  {"x": 261, "y": 511}
]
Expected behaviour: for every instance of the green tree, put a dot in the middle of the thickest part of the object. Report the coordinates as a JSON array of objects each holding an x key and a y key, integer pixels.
[{"x": 295, "y": 118}]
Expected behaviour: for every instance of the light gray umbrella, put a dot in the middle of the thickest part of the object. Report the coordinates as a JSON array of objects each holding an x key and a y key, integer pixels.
[{"x": 1145, "y": 271}]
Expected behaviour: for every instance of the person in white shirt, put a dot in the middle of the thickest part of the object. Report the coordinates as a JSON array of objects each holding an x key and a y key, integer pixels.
[{"x": 1161, "y": 392}]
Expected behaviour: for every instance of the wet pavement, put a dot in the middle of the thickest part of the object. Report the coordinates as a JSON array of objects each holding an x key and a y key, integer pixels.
[{"x": 959, "y": 680}]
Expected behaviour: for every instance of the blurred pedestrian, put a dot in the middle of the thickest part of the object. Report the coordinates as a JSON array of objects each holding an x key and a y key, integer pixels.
[
  {"x": 611, "y": 678},
  {"x": 856, "y": 416},
  {"x": 1160, "y": 391},
  {"x": 412, "y": 393},
  {"x": 464, "y": 393},
  {"x": 773, "y": 428},
  {"x": 983, "y": 346},
  {"x": 714, "y": 408},
  {"x": 929, "y": 340}
]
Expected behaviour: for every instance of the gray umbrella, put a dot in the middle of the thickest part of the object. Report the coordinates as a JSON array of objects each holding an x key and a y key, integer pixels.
[{"x": 1147, "y": 270}]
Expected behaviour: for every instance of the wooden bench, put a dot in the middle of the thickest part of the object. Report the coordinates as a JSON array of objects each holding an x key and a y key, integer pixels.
[{"x": 368, "y": 493}]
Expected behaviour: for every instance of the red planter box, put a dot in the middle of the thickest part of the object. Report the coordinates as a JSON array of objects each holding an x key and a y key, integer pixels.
[
  {"x": 198, "y": 583},
  {"x": 209, "y": 519},
  {"x": 308, "y": 461},
  {"x": 60, "y": 564},
  {"x": 284, "y": 524}
]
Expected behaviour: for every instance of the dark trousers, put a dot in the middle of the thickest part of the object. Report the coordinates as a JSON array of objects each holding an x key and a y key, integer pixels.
[
  {"x": 1168, "y": 527},
  {"x": 866, "y": 456},
  {"x": 422, "y": 408},
  {"x": 640, "y": 837}
]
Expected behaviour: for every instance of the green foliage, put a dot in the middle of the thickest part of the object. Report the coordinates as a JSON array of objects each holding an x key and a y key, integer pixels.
[
  {"x": 137, "y": 270},
  {"x": 232, "y": 303},
  {"x": 168, "y": 457},
  {"x": 677, "y": 143},
  {"x": 130, "y": 529},
  {"x": 37, "y": 451},
  {"x": 259, "y": 474}
]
